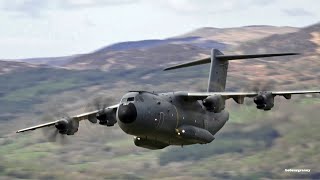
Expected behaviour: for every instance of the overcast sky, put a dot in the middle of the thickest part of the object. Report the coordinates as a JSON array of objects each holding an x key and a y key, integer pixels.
[{"x": 41, "y": 28}]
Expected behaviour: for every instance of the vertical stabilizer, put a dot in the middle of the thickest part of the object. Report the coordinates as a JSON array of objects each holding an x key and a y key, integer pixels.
[
  {"x": 219, "y": 66},
  {"x": 218, "y": 73}
]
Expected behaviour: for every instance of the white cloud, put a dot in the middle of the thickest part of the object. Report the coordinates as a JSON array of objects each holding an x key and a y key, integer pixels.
[
  {"x": 298, "y": 12},
  {"x": 212, "y": 6},
  {"x": 37, "y": 8}
]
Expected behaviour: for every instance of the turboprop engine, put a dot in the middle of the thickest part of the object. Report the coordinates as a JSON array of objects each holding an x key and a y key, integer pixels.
[
  {"x": 214, "y": 103},
  {"x": 67, "y": 126},
  {"x": 264, "y": 101}
]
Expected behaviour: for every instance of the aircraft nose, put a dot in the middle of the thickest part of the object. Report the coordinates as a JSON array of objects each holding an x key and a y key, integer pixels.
[{"x": 127, "y": 113}]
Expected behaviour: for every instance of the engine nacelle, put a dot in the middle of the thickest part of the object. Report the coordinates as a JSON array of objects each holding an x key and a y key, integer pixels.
[
  {"x": 264, "y": 101},
  {"x": 107, "y": 117},
  {"x": 67, "y": 126},
  {"x": 149, "y": 143},
  {"x": 214, "y": 103}
]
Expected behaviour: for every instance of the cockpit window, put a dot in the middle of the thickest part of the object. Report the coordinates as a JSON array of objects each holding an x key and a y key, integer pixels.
[{"x": 130, "y": 99}]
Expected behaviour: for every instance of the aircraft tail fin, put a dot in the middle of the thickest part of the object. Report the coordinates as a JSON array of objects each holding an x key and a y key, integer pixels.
[{"x": 219, "y": 66}]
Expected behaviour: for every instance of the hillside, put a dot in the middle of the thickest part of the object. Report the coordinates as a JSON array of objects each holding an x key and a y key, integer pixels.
[
  {"x": 306, "y": 41},
  {"x": 170, "y": 50},
  {"x": 52, "y": 61},
  {"x": 236, "y": 36},
  {"x": 128, "y": 55},
  {"x": 12, "y": 66},
  {"x": 302, "y": 69},
  {"x": 142, "y": 57},
  {"x": 253, "y": 144}
]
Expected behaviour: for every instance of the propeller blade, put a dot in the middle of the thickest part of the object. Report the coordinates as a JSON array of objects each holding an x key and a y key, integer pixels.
[
  {"x": 53, "y": 136},
  {"x": 52, "y": 133},
  {"x": 63, "y": 140}
]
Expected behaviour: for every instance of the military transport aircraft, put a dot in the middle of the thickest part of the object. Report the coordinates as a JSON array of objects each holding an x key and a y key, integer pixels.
[{"x": 176, "y": 118}]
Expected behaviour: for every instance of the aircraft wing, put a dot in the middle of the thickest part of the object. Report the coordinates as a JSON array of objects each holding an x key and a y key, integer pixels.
[
  {"x": 38, "y": 126},
  {"x": 236, "y": 95},
  {"x": 80, "y": 117}
]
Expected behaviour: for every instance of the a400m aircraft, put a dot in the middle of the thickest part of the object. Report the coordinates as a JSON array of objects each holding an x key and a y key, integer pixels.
[{"x": 176, "y": 118}]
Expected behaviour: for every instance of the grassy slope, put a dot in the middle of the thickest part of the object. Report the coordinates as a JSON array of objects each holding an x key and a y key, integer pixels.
[{"x": 253, "y": 146}]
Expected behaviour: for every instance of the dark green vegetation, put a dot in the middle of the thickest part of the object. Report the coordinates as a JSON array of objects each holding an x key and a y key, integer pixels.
[
  {"x": 21, "y": 89},
  {"x": 253, "y": 144}
]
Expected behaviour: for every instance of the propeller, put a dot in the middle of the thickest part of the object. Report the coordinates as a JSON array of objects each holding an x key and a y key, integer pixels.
[
  {"x": 65, "y": 126},
  {"x": 102, "y": 103},
  {"x": 52, "y": 133},
  {"x": 259, "y": 86},
  {"x": 99, "y": 102}
]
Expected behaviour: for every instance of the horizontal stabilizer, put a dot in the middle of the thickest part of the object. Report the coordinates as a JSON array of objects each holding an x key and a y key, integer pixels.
[
  {"x": 227, "y": 57},
  {"x": 192, "y": 63},
  {"x": 250, "y": 56}
]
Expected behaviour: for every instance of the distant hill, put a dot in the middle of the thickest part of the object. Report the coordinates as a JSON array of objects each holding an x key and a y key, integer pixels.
[
  {"x": 145, "y": 52},
  {"x": 52, "y": 61},
  {"x": 305, "y": 40},
  {"x": 236, "y": 36},
  {"x": 127, "y": 55},
  {"x": 137, "y": 58},
  {"x": 301, "y": 69},
  {"x": 146, "y": 44},
  {"x": 12, "y": 66}
]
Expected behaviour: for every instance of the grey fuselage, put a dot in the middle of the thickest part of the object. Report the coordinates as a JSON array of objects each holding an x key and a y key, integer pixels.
[{"x": 158, "y": 116}]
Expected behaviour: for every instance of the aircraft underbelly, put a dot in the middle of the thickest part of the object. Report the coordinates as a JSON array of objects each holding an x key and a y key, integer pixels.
[{"x": 208, "y": 121}]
